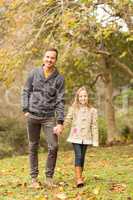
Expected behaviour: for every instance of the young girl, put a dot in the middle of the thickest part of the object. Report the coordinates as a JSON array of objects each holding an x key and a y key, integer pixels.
[{"x": 83, "y": 119}]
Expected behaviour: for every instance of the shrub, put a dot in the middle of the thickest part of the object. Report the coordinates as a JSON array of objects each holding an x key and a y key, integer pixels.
[
  {"x": 125, "y": 124},
  {"x": 102, "y": 130},
  {"x": 13, "y": 136}
]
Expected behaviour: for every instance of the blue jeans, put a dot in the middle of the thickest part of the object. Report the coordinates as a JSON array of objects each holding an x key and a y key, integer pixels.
[
  {"x": 80, "y": 150},
  {"x": 34, "y": 129}
]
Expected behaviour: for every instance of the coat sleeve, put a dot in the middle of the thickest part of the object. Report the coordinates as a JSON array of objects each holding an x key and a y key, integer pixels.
[
  {"x": 60, "y": 101},
  {"x": 94, "y": 127},
  {"x": 69, "y": 117},
  {"x": 26, "y": 92}
]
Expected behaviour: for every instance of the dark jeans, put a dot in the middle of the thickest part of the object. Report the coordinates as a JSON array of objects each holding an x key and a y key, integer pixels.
[
  {"x": 34, "y": 129},
  {"x": 80, "y": 150}
]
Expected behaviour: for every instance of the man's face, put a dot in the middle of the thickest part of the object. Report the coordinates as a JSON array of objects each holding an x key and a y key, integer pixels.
[{"x": 49, "y": 59}]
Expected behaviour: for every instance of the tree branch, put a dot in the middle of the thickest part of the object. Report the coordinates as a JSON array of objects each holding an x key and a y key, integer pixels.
[
  {"x": 103, "y": 52},
  {"x": 96, "y": 79},
  {"x": 122, "y": 66},
  {"x": 41, "y": 28},
  {"x": 117, "y": 62}
]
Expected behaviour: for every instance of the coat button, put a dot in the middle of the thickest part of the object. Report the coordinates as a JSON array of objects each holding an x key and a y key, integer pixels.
[{"x": 83, "y": 119}]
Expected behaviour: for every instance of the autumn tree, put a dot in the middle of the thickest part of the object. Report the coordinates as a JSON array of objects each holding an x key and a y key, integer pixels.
[{"x": 89, "y": 35}]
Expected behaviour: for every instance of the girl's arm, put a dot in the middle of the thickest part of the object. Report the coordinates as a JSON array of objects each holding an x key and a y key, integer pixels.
[
  {"x": 69, "y": 117},
  {"x": 94, "y": 127}
]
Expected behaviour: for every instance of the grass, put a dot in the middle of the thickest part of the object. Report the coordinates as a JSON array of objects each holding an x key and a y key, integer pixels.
[{"x": 108, "y": 175}]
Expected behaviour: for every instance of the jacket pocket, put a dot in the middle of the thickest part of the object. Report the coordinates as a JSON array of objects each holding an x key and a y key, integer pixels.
[
  {"x": 51, "y": 91},
  {"x": 51, "y": 95},
  {"x": 35, "y": 99}
]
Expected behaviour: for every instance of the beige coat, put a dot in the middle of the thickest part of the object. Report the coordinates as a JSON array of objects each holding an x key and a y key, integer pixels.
[{"x": 84, "y": 129}]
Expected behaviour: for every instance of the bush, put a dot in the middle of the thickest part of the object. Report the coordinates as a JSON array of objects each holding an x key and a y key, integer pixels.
[
  {"x": 102, "y": 130},
  {"x": 14, "y": 141},
  {"x": 13, "y": 136},
  {"x": 125, "y": 124}
]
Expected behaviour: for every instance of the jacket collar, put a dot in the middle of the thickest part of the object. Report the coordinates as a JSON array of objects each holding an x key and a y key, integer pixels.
[{"x": 41, "y": 73}]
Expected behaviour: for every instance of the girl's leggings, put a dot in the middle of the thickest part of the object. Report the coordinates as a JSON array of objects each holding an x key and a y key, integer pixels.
[{"x": 80, "y": 150}]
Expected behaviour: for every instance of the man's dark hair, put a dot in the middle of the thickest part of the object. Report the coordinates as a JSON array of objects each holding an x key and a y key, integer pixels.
[{"x": 53, "y": 49}]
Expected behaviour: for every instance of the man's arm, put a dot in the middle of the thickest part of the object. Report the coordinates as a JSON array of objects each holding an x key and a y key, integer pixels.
[
  {"x": 60, "y": 105},
  {"x": 60, "y": 101},
  {"x": 28, "y": 87}
]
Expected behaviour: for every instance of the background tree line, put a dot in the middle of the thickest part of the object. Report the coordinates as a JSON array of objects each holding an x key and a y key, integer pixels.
[{"x": 95, "y": 43}]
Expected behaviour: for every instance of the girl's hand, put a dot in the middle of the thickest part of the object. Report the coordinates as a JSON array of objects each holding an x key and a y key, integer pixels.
[{"x": 26, "y": 114}]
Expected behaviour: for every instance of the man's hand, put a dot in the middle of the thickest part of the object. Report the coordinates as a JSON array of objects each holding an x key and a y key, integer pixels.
[
  {"x": 26, "y": 114},
  {"x": 58, "y": 129}
]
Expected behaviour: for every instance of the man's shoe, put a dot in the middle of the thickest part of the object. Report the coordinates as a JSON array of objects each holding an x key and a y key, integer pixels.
[
  {"x": 35, "y": 184},
  {"x": 50, "y": 182}
]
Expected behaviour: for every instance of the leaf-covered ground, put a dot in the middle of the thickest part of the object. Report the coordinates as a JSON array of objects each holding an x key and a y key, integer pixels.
[{"x": 108, "y": 175}]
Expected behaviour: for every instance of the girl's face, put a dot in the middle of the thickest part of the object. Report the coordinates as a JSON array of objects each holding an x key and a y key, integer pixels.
[{"x": 83, "y": 97}]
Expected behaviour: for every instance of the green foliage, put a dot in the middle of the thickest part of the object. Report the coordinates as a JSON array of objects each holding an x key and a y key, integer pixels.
[
  {"x": 124, "y": 122},
  {"x": 118, "y": 101},
  {"x": 13, "y": 136},
  {"x": 67, "y": 26},
  {"x": 10, "y": 64},
  {"x": 14, "y": 140},
  {"x": 125, "y": 125},
  {"x": 102, "y": 130}
]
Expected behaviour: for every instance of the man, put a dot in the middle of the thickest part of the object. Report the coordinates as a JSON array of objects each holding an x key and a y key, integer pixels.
[{"x": 42, "y": 103}]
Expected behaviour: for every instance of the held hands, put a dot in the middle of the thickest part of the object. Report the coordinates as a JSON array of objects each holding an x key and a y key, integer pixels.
[
  {"x": 58, "y": 129},
  {"x": 26, "y": 114}
]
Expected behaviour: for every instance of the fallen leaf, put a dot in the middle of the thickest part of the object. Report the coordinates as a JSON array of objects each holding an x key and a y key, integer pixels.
[
  {"x": 41, "y": 198},
  {"x": 63, "y": 183},
  {"x": 96, "y": 177},
  {"x": 9, "y": 193},
  {"x": 91, "y": 155},
  {"x": 58, "y": 169},
  {"x": 129, "y": 198},
  {"x": 104, "y": 163},
  {"x": 25, "y": 184},
  {"x": 96, "y": 190},
  {"x": 118, "y": 187},
  {"x": 79, "y": 197},
  {"x": 61, "y": 188},
  {"x": 61, "y": 196},
  {"x": 91, "y": 198}
]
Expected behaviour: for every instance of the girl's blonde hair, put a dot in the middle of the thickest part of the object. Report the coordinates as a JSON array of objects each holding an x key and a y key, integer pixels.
[{"x": 76, "y": 103}]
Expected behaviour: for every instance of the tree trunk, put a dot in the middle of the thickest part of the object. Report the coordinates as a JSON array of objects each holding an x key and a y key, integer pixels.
[
  {"x": 100, "y": 91},
  {"x": 125, "y": 99},
  {"x": 112, "y": 132}
]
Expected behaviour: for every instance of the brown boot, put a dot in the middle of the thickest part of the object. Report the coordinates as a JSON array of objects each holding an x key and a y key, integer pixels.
[{"x": 79, "y": 179}]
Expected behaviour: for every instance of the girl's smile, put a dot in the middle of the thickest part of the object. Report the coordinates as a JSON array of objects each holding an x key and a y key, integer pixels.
[{"x": 83, "y": 97}]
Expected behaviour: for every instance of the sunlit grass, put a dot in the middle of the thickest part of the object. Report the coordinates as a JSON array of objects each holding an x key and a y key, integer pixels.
[{"x": 108, "y": 176}]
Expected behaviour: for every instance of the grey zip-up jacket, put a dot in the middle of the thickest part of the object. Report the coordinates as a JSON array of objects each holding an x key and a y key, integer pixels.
[{"x": 44, "y": 97}]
